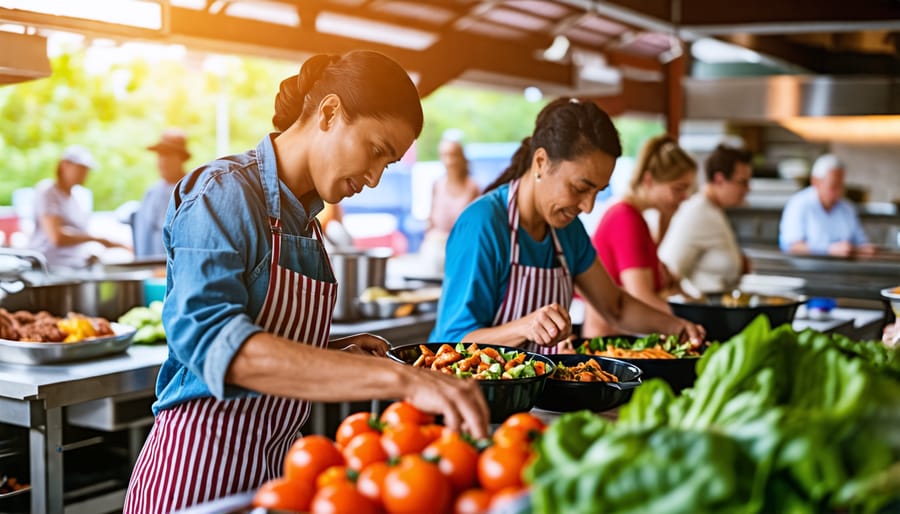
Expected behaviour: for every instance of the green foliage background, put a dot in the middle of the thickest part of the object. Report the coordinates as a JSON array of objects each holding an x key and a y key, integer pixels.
[{"x": 118, "y": 112}]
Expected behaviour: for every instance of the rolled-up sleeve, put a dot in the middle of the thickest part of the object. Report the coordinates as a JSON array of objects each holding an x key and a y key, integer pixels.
[{"x": 212, "y": 239}]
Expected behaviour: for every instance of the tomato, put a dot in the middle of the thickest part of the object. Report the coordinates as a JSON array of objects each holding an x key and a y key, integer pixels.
[
  {"x": 363, "y": 450},
  {"x": 310, "y": 456},
  {"x": 501, "y": 466},
  {"x": 434, "y": 432},
  {"x": 341, "y": 498},
  {"x": 353, "y": 425},
  {"x": 503, "y": 498},
  {"x": 403, "y": 439},
  {"x": 527, "y": 421},
  {"x": 280, "y": 494},
  {"x": 415, "y": 486},
  {"x": 458, "y": 460},
  {"x": 371, "y": 481},
  {"x": 332, "y": 475},
  {"x": 404, "y": 412},
  {"x": 472, "y": 501},
  {"x": 507, "y": 435}
]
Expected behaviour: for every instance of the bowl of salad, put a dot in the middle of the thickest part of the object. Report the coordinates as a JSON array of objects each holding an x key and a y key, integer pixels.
[
  {"x": 511, "y": 379},
  {"x": 657, "y": 356}
]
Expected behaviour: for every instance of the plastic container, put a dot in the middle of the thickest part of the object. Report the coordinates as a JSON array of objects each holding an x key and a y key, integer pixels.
[{"x": 154, "y": 290}]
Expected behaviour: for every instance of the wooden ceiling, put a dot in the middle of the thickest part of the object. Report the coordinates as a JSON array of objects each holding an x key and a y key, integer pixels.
[{"x": 629, "y": 53}]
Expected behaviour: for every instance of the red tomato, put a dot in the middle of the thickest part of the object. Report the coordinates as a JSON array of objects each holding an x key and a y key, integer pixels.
[
  {"x": 415, "y": 486},
  {"x": 508, "y": 435},
  {"x": 371, "y": 481},
  {"x": 458, "y": 460},
  {"x": 354, "y": 425},
  {"x": 404, "y": 412},
  {"x": 403, "y": 439},
  {"x": 310, "y": 456},
  {"x": 332, "y": 475},
  {"x": 279, "y": 494},
  {"x": 525, "y": 420},
  {"x": 473, "y": 501},
  {"x": 434, "y": 432},
  {"x": 363, "y": 450},
  {"x": 501, "y": 466},
  {"x": 341, "y": 498}
]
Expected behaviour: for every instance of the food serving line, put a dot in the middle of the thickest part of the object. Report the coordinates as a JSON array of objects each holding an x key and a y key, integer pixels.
[{"x": 43, "y": 398}]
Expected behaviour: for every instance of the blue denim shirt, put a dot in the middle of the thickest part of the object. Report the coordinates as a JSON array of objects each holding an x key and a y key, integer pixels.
[{"x": 218, "y": 247}]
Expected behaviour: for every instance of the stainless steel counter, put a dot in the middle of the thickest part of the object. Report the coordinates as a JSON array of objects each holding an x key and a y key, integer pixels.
[{"x": 34, "y": 397}]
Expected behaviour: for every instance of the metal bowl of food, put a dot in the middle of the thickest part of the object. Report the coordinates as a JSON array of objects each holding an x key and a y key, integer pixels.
[
  {"x": 892, "y": 296},
  {"x": 725, "y": 315},
  {"x": 576, "y": 383},
  {"x": 516, "y": 392}
]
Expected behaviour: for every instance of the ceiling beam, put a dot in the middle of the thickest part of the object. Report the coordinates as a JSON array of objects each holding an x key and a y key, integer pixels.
[{"x": 818, "y": 59}]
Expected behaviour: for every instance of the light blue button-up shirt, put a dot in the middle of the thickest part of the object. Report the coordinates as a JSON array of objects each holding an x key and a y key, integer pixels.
[
  {"x": 218, "y": 246},
  {"x": 804, "y": 219}
]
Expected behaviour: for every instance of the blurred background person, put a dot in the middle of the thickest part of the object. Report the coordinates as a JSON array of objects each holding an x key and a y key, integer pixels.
[
  {"x": 817, "y": 219},
  {"x": 449, "y": 196},
  {"x": 171, "y": 155},
  {"x": 331, "y": 217},
  {"x": 61, "y": 220},
  {"x": 664, "y": 175},
  {"x": 710, "y": 258}
]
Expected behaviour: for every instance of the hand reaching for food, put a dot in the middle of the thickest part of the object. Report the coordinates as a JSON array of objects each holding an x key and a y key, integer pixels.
[{"x": 548, "y": 325}]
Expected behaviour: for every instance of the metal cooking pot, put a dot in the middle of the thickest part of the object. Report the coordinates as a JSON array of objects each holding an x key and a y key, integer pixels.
[
  {"x": 108, "y": 298},
  {"x": 346, "y": 270}
]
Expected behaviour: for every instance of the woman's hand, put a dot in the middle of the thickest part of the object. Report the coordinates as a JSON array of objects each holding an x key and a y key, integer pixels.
[
  {"x": 365, "y": 344},
  {"x": 460, "y": 401},
  {"x": 688, "y": 331},
  {"x": 548, "y": 325}
]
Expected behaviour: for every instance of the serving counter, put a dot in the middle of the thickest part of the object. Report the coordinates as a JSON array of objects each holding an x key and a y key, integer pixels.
[{"x": 43, "y": 399}]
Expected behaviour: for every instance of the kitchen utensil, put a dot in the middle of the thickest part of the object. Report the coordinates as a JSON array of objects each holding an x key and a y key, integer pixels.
[
  {"x": 504, "y": 397},
  {"x": 566, "y": 396},
  {"x": 722, "y": 322},
  {"x": 19, "y": 352}
]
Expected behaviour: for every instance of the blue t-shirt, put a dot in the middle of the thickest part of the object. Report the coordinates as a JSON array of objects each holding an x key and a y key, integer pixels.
[
  {"x": 218, "y": 250},
  {"x": 477, "y": 267},
  {"x": 804, "y": 219}
]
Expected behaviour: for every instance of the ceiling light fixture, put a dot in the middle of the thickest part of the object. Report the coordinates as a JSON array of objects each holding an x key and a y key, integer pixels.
[{"x": 557, "y": 50}]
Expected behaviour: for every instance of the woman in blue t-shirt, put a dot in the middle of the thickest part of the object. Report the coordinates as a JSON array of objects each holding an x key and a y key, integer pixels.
[{"x": 515, "y": 254}]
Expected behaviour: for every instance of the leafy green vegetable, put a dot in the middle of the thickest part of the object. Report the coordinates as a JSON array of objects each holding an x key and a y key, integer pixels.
[
  {"x": 147, "y": 321},
  {"x": 668, "y": 343}
]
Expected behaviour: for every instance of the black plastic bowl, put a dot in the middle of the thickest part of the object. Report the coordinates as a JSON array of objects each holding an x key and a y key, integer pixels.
[
  {"x": 721, "y": 322},
  {"x": 504, "y": 397},
  {"x": 678, "y": 373},
  {"x": 567, "y": 396}
]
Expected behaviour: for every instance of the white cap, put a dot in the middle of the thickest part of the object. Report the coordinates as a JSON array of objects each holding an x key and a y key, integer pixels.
[
  {"x": 825, "y": 164},
  {"x": 77, "y": 154}
]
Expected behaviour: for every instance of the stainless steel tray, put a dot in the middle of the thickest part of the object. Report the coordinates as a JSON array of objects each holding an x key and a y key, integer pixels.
[{"x": 18, "y": 352}]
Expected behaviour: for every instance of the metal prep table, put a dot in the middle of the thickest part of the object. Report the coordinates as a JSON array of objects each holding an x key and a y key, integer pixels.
[{"x": 34, "y": 397}]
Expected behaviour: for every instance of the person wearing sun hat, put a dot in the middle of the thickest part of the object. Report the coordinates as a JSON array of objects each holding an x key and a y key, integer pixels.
[
  {"x": 172, "y": 154},
  {"x": 61, "y": 221}
]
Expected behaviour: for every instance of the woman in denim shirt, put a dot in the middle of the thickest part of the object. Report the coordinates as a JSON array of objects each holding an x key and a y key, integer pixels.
[{"x": 248, "y": 279}]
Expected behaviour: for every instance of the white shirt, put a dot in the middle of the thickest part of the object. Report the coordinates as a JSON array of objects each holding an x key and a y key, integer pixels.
[
  {"x": 700, "y": 245},
  {"x": 50, "y": 200}
]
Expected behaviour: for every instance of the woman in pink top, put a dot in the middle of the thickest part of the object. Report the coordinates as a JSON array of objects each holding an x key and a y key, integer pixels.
[{"x": 664, "y": 176}]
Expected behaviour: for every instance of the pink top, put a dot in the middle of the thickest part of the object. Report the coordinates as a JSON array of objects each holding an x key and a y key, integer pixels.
[{"x": 623, "y": 242}]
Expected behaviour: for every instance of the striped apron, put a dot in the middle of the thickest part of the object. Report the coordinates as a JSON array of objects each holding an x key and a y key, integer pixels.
[
  {"x": 205, "y": 449},
  {"x": 530, "y": 287}
]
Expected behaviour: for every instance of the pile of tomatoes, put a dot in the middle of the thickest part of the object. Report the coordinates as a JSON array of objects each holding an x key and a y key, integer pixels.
[{"x": 403, "y": 463}]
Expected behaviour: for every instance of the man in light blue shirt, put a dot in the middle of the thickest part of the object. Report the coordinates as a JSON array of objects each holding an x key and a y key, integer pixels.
[
  {"x": 817, "y": 220},
  {"x": 172, "y": 153}
]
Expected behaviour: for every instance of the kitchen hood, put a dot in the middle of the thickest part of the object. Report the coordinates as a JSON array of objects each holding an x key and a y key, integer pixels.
[
  {"x": 23, "y": 57},
  {"x": 783, "y": 97}
]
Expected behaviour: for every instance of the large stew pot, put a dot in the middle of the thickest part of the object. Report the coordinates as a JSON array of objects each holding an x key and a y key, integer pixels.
[
  {"x": 722, "y": 322},
  {"x": 105, "y": 297}
]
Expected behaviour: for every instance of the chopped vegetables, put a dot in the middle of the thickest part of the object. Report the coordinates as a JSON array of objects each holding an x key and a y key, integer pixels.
[
  {"x": 653, "y": 346},
  {"x": 147, "y": 321},
  {"x": 588, "y": 371},
  {"x": 479, "y": 363}
]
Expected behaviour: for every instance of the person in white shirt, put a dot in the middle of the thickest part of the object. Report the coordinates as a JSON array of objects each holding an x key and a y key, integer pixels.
[{"x": 700, "y": 245}]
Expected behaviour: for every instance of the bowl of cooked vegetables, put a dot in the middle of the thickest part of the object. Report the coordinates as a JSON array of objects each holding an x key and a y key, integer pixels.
[
  {"x": 725, "y": 315},
  {"x": 511, "y": 379},
  {"x": 588, "y": 382},
  {"x": 656, "y": 355}
]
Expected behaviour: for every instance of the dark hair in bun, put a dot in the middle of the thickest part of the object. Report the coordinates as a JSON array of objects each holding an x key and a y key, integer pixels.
[{"x": 368, "y": 84}]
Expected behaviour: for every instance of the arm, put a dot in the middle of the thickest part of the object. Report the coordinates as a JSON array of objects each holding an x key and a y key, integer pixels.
[
  {"x": 546, "y": 326},
  {"x": 61, "y": 235},
  {"x": 628, "y": 312},
  {"x": 270, "y": 365},
  {"x": 791, "y": 236}
]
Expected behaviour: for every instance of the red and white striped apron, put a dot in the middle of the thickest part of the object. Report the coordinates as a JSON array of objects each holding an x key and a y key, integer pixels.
[
  {"x": 530, "y": 287},
  {"x": 205, "y": 449}
]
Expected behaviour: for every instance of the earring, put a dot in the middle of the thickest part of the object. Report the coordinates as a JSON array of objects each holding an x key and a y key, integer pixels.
[{"x": 537, "y": 176}]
